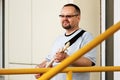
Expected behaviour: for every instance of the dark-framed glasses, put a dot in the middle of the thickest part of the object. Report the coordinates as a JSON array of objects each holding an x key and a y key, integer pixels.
[{"x": 67, "y": 16}]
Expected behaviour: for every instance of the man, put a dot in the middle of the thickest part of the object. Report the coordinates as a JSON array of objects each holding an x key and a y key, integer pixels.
[{"x": 70, "y": 18}]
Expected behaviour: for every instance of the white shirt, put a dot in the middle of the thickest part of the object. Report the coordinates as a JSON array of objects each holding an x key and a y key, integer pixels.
[{"x": 80, "y": 42}]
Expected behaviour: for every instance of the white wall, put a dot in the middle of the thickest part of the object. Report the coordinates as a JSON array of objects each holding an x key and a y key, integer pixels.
[
  {"x": 117, "y": 39},
  {"x": 1, "y": 34},
  {"x": 103, "y": 2},
  {"x": 31, "y": 27}
]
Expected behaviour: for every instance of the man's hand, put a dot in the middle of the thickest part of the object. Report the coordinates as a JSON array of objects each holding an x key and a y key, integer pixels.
[
  {"x": 60, "y": 56},
  {"x": 42, "y": 65}
]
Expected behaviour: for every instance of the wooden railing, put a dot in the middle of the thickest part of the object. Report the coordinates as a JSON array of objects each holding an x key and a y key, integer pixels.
[
  {"x": 50, "y": 72},
  {"x": 80, "y": 52}
]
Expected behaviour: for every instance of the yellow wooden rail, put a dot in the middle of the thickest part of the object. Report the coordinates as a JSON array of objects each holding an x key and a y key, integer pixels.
[
  {"x": 69, "y": 75},
  {"x": 80, "y": 52},
  {"x": 50, "y": 72},
  {"x": 68, "y": 70}
]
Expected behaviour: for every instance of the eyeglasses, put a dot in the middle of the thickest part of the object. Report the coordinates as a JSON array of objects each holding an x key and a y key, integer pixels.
[{"x": 67, "y": 16}]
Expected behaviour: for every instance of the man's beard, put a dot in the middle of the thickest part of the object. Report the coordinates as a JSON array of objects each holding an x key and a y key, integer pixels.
[{"x": 67, "y": 27}]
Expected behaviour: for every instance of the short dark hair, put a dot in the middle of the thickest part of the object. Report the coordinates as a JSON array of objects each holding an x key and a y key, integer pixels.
[{"x": 75, "y": 6}]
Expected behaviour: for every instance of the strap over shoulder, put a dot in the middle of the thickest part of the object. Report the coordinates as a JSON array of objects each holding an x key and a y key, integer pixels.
[{"x": 72, "y": 40}]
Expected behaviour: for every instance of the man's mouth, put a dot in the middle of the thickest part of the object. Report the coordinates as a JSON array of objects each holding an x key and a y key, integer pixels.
[{"x": 65, "y": 23}]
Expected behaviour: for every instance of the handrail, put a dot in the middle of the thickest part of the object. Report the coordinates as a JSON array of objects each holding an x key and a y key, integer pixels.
[
  {"x": 80, "y": 52},
  {"x": 19, "y": 71},
  {"x": 50, "y": 72}
]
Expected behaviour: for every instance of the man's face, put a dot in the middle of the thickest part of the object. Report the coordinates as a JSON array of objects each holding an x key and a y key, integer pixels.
[{"x": 69, "y": 18}]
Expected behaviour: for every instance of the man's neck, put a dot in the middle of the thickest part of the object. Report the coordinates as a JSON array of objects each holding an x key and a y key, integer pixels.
[{"x": 70, "y": 31}]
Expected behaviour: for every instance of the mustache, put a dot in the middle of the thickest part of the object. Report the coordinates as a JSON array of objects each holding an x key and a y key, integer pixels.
[{"x": 65, "y": 21}]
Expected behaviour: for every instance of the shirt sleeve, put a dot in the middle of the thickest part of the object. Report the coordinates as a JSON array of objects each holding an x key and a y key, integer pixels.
[
  {"x": 87, "y": 37},
  {"x": 56, "y": 46}
]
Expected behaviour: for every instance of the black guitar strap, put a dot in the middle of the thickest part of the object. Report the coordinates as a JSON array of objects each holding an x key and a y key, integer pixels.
[{"x": 72, "y": 40}]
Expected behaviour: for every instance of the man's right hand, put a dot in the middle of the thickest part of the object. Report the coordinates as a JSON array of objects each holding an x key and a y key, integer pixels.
[{"x": 42, "y": 65}]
